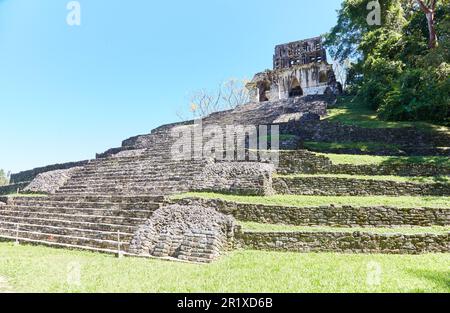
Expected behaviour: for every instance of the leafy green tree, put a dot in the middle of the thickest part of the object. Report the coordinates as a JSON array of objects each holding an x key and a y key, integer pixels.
[
  {"x": 4, "y": 179},
  {"x": 398, "y": 68}
]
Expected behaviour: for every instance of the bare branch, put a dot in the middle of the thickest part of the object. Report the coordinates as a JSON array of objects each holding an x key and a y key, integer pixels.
[
  {"x": 433, "y": 5},
  {"x": 422, "y": 6},
  {"x": 228, "y": 95}
]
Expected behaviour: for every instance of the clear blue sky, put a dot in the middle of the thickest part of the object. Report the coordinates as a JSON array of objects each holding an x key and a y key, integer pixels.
[{"x": 69, "y": 92}]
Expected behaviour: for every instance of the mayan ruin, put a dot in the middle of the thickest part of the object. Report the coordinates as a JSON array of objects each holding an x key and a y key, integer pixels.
[
  {"x": 299, "y": 68},
  {"x": 113, "y": 200},
  {"x": 179, "y": 150}
]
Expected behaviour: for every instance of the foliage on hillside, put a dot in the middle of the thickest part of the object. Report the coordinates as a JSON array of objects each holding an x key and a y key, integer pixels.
[
  {"x": 4, "y": 179},
  {"x": 395, "y": 70}
]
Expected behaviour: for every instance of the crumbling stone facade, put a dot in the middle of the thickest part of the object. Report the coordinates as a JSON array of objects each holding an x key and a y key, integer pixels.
[
  {"x": 27, "y": 176},
  {"x": 50, "y": 182},
  {"x": 189, "y": 233},
  {"x": 299, "y": 68}
]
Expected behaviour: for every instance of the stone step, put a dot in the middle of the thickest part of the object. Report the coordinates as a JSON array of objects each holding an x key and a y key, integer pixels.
[
  {"x": 132, "y": 187},
  {"x": 141, "y": 166},
  {"x": 124, "y": 189},
  {"x": 128, "y": 179},
  {"x": 121, "y": 159},
  {"x": 140, "y": 161},
  {"x": 132, "y": 174},
  {"x": 125, "y": 174},
  {"x": 118, "y": 220},
  {"x": 138, "y": 171},
  {"x": 88, "y": 205},
  {"x": 83, "y": 211},
  {"x": 124, "y": 192},
  {"x": 63, "y": 239},
  {"x": 66, "y": 231},
  {"x": 61, "y": 245},
  {"x": 113, "y": 184},
  {"x": 94, "y": 198},
  {"x": 69, "y": 224},
  {"x": 99, "y": 198}
]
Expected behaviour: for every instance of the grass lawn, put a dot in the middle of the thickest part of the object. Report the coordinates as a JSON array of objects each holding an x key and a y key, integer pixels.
[
  {"x": 41, "y": 269},
  {"x": 258, "y": 227},
  {"x": 402, "y": 179},
  {"x": 384, "y": 160},
  {"x": 352, "y": 113},
  {"x": 314, "y": 201},
  {"x": 362, "y": 146}
]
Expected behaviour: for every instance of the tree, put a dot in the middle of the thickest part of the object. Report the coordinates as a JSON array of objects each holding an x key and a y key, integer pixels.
[
  {"x": 429, "y": 10},
  {"x": 398, "y": 68},
  {"x": 4, "y": 178},
  {"x": 227, "y": 96}
]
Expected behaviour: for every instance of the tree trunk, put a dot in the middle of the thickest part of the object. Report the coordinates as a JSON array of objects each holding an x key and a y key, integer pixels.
[
  {"x": 429, "y": 13},
  {"x": 432, "y": 39}
]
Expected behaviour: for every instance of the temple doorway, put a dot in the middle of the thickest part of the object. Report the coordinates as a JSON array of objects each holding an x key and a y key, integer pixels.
[{"x": 296, "y": 90}]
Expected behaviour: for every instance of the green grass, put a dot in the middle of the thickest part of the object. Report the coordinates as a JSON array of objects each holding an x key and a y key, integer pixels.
[
  {"x": 362, "y": 146},
  {"x": 403, "y": 179},
  {"x": 314, "y": 201},
  {"x": 351, "y": 112},
  {"x": 40, "y": 269},
  {"x": 258, "y": 227},
  {"x": 385, "y": 160}
]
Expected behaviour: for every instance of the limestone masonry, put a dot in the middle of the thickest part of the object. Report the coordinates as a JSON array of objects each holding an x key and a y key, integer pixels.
[
  {"x": 121, "y": 202},
  {"x": 190, "y": 233},
  {"x": 299, "y": 68}
]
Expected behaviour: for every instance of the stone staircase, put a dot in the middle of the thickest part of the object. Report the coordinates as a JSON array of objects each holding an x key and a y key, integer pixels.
[
  {"x": 99, "y": 223},
  {"x": 102, "y": 205},
  {"x": 144, "y": 174}
]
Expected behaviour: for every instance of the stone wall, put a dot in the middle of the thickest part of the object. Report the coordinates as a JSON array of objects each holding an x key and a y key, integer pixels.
[
  {"x": 50, "y": 182},
  {"x": 113, "y": 151},
  {"x": 338, "y": 216},
  {"x": 189, "y": 233},
  {"x": 390, "y": 169},
  {"x": 325, "y": 131},
  {"x": 13, "y": 188},
  {"x": 357, "y": 242},
  {"x": 245, "y": 178},
  {"x": 335, "y": 186},
  {"x": 27, "y": 176},
  {"x": 302, "y": 161}
]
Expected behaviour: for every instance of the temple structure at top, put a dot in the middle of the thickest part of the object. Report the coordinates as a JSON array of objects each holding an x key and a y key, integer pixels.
[{"x": 299, "y": 68}]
